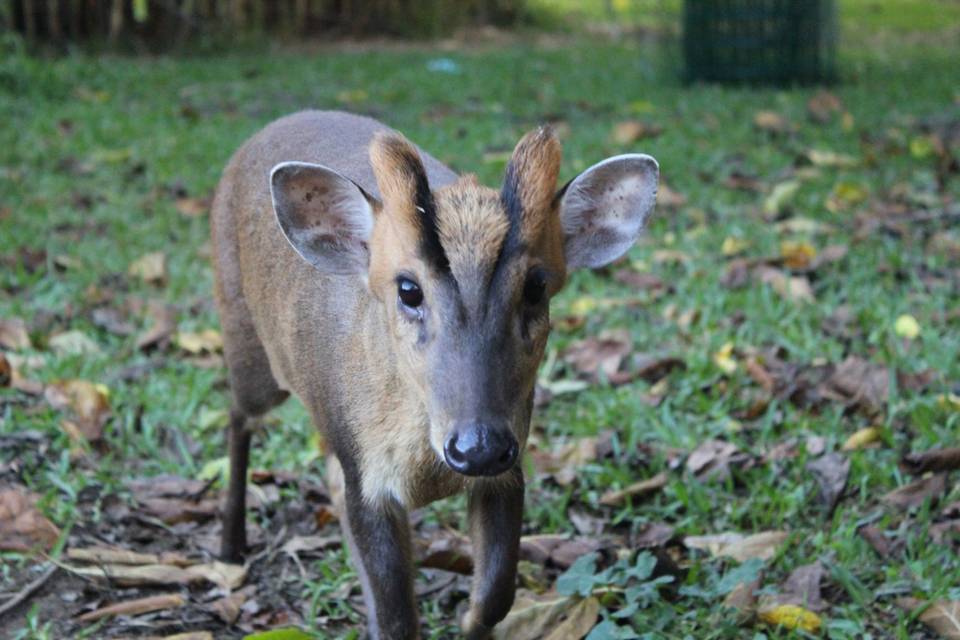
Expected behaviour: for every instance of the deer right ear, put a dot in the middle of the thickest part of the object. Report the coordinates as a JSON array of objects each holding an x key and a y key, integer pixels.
[{"x": 325, "y": 216}]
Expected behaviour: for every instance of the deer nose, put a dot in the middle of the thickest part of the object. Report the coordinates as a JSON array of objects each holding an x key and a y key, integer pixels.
[{"x": 478, "y": 449}]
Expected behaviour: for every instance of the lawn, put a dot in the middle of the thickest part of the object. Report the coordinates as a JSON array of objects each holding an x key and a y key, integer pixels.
[{"x": 781, "y": 341}]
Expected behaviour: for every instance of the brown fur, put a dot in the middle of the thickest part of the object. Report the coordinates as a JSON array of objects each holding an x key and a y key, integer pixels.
[{"x": 535, "y": 164}]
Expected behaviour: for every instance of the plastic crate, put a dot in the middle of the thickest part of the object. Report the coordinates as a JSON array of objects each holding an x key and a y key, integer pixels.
[{"x": 760, "y": 41}]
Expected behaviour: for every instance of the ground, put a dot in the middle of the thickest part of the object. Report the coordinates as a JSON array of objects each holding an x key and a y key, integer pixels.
[{"x": 798, "y": 285}]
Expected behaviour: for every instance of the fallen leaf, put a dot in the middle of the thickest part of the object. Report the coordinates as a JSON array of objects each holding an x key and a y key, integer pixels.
[
  {"x": 654, "y": 534},
  {"x": 845, "y": 195},
  {"x": 446, "y": 550},
  {"x": 943, "y": 616},
  {"x": 933, "y": 460},
  {"x": 712, "y": 459},
  {"x": 641, "y": 280},
  {"x": 802, "y": 588},
  {"x": 831, "y": 471},
  {"x": 797, "y": 255},
  {"x": 629, "y": 131},
  {"x": 724, "y": 359},
  {"x": 801, "y": 225},
  {"x": 103, "y": 555},
  {"x": 151, "y": 268},
  {"x": 743, "y": 182},
  {"x": 793, "y": 288},
  {"x": 875, "y": 538},
  {"x": 669, "y": 198},
  {"x": 732, "y": 246},
  {"x": 299, "y": 544},
  {"x": 906, "y": 326},
  {"x": 771, "y": 122},
  {"x": 135, "y": 607},
  {"x": 762, "y": 545},
  {"x": 531, "y": 618},
  {"x": 206, "y": 341},
  {"x": 830, "y": 254},
  {"x": 830, "y": 159},
  {"x": 13, "y": 334},
  {"x": 600, "y": 356},
  {"x": 580, "y": 620},
  {"x": 670, "y": 256},
  {"x": 781, "y": 196},
  {"x": 862, "y": 438},
  {"x": 790, "y": 616},
  {"x": 74, "y": 342},
  {"x": 161, "y": 330},
  {"x": 225, "y": 576},
  {"x": 228, "y": 607},
  {"x": 860, "y": 383},
  {"x": 113, "y": 321},
  {"x": 917, "y": 492},
  {"x": 822, "y": 106},
  {"x": 564, "y": 462},
  {"x": 88, "y": 403},
  {"x": 192, "y": 207},
  {"x": 22, "y": 526},
  {"x": 642, "y": 488},
  {"x": 290, "y": 633}
]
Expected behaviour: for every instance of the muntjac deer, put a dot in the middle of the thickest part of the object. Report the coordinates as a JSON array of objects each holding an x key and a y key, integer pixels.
[{"x": 408, "y": 309}]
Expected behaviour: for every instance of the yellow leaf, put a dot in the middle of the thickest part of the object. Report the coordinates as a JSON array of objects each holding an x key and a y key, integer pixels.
[
  {"x": 821, "y": 158},
  {"x": 151, "y": 267},
  {"x": 797, "y": 255},
  {"x": 790, "y": 616},
  {"x": 780, "y": 197},
  {"x": 208, "y": 340},
  {"x": 732, "y": 246},
  {"x": 862, "y": 438},
  {"x": 921, "y": 148},
  {"x": 845, "y": 195},
  {"x": 216, "y": 468},
  {"x": 950, "y": 400},
  {"x": 724, "y": 358},
  {"x": 907, "y": 327},
  {"x": 583, "y": 305}
]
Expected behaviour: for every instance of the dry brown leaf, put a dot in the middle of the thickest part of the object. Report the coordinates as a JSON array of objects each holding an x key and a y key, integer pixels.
[
  {"x": 654, "y": 534},
  {"x": 300, "y": 544},
  {"x": 712, "y": 459},
  {"x": 558, "y": 549},
  {"x": 197, "y": 342},
  {"x": 771, "y": 122},
  {"x": 635, "y": 491},
  {"x": 579, "y": 622},
  {"x": 150, "y": 267},
  {"x": 822, "y": 106},
  {"x": 762, "y": 545},
  {"x": 532, "y": 618},
  {"x": 933, "y": 460},
  {"x": 875, "y": 538},
  {"x": 743, "y": 598},
  {"x": 193, "y": 207},
  {"x": 22, "y": 526},
  {"x": 563, "y": 463},
  {"x": 943, "y": 616},
  {"x": 914, "y": 494},
  {"x": 446, "y": 550},
  {"x": 161, "y": 330},
  {"x": 600, "y": 356},
  {"x": 802, "y": 587},
  {"x": 103, "y": 555},
  {"x": 225, "y": 576},
  {"x": 135, "y": 607},
  {"x": 88, "y": 404},
  {"x": 228, "y": 607},
  {"x": 793, "y": 288},
  {"x": 13, "y": 334},
  {"x": 641, "y": 280},
  {"x": 797, "y": 254},
  {"x": 73, "y": 343},
  {"x": 831, "y": 471},
  {"x": 860, "y": 383},
  {"x": 669, "y": 198},
  {"x": 629, "y": 131}
]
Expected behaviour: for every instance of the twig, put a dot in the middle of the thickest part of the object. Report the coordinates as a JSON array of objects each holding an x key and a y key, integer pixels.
[{"x": 28, "y": 591}]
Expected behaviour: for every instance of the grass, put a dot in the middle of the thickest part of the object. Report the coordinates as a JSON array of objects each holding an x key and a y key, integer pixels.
[{"x": 92, "y": 148}]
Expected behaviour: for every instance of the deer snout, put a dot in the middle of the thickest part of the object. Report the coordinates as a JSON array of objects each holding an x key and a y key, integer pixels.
[{"x": 480, "y": 449}]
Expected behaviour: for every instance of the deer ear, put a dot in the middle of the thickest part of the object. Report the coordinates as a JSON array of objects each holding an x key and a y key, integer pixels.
[
  {"x": 603, "y": 210},
  {"x": 325, "y": 216}
]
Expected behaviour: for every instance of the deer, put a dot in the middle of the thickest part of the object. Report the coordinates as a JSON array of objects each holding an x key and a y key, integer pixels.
[{"x": 407, "y": 308}]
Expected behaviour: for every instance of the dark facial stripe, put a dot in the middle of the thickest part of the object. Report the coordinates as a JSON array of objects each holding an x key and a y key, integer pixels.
[
  {"x": 430, "y": 245},
  {"x": 510, "y": 198}
]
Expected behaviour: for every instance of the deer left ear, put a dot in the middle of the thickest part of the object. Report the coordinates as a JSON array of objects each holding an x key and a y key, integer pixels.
[{"x": 603, "y": 210}]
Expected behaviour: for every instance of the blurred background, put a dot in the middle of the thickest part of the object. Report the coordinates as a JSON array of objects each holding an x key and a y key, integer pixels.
[{"x": 747, "y": 428}]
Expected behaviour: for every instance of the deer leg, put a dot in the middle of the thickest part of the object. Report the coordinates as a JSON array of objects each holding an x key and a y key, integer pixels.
[
  {"x": 496, "y": 515},
  {"x": 233, "y": 542},
  {"x": 379, "y": 538}
]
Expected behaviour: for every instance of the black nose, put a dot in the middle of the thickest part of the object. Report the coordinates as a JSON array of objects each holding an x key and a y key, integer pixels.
[{"x": 477, "y": 449}]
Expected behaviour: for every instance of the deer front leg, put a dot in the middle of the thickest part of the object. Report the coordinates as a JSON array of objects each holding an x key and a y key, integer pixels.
[
  {"x": 379, "y": 539},
  {"x": 233, "y": 541},
  {"x": 496, "y": 515}
]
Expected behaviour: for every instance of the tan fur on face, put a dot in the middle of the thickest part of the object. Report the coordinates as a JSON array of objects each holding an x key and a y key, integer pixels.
[
  {"x": 472, "y": 226},
  {"x": 535, "y": 165}
]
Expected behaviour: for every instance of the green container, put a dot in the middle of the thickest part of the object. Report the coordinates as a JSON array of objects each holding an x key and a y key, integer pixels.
[{"x": 760, "y": 41}]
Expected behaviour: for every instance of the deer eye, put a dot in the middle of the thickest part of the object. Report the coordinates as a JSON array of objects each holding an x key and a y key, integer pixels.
[
  {"x": 535, "y": 287},
  {"x": 409, "y": 292}
]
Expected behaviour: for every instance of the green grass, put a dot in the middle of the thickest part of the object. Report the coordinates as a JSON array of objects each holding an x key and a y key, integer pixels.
[{"x": 98, "y": 195}]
